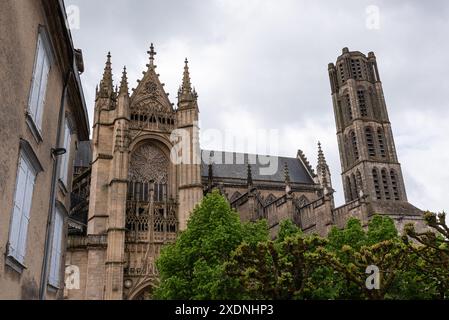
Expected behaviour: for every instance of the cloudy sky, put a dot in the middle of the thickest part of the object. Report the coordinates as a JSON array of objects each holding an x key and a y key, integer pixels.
[{"x": 262, "y": 65}]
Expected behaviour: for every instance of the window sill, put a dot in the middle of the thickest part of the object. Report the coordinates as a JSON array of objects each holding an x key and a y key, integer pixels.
[
  {"x": 36, "y": 132},
  {"x": 15, "y": 265},
  {"x": 53, "y": 288}
]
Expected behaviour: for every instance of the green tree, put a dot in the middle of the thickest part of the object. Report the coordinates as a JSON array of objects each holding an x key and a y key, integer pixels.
[
  {"x": 432, "y": 248},
  {"x": 275, "y": 270},
  {"x": 193, "y": 267}
]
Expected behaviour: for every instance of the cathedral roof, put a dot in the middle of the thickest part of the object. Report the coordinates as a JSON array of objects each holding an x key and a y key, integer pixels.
[{"x": 238, "y": 168}]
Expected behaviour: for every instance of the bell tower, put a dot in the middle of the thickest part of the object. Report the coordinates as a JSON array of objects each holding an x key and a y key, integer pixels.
[{"x": 369, "y": 161}]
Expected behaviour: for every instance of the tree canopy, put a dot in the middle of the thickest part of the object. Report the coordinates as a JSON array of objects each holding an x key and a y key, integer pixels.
[{"x": 219, "y": 257}]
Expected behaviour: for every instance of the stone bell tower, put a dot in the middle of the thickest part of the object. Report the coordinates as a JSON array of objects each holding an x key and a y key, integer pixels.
[{"x": 370, "y": 167}]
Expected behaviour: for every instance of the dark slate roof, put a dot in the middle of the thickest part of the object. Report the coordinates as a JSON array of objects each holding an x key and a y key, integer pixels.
[
  {"x": 238, "y": 169},
  {"x": 83, "y": 155}
]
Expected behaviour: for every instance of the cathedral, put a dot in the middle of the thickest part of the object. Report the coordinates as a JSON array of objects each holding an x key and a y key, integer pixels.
[{"x": 131, "y": 194}]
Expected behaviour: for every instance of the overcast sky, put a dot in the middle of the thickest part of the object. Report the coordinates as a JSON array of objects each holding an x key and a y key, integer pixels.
[{"x": 262, "y": 65}]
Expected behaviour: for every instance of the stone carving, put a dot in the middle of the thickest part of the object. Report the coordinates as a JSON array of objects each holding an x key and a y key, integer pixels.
[
  {"x": 148, "y": 163},
  {"x": 151, "y": 89}
]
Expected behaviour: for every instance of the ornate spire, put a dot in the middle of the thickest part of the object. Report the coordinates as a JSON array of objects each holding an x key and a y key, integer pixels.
[
  {"x": 323, "y": 171},
  {"x": 249, "y": 177},
  {"x": 186, "y": 94},
  {"x": 288, "y": 188},
  {"x": 124, "y": 83},
  {"x": 210, "y": 173},
  {"x": 152, "y": 53},
  {"x": 186, "y": 85},
  {"x": 321, "y": 159},
  {"x": 106, "y": 86}
]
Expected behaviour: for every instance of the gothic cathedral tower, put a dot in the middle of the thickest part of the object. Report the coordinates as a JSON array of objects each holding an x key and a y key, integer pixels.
[
  {"x": 370, "y": 167},
  {"x": 141, "y": 193}
]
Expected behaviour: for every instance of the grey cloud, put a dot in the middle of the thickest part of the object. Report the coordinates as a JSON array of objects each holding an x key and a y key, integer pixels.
[{"x": 269, "y": 59}]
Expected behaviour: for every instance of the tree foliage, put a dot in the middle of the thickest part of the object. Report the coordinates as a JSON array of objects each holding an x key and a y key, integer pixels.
[
  {"x": 193, "y": 267},
  {"x": 218, "y": 257}
]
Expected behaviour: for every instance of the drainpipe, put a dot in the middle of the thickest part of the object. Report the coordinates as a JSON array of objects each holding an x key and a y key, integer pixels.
[{"x": 51, "y": 211}]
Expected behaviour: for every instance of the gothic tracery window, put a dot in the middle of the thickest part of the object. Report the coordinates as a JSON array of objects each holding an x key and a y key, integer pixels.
[{"x": 148, "y": 162}]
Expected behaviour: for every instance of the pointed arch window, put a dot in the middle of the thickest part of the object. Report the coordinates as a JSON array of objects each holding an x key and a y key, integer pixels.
[
  {"x": 394, "y": 184},
  {"x": 347, "y": 153},
  {"x": 362, "y": 103},
  {"x": 348, "y": 107},
  {"x": 356, "y": 69},
  {"x": 386, "y": 184},
  {"x": 342, "y": 73},
  {"x": 355, "y": 148},
  {"x": 340, "y": 114},
  {"x": 370, "y": 142},
  {"x": 374, "y": 105},
  {"x": 349, "y": 189},
  {"x": 359, "y": 181},
  {"x": 355, "y": 187},
  {"x": 377, "y": 184},
  {"x": 381, "y": 141}
]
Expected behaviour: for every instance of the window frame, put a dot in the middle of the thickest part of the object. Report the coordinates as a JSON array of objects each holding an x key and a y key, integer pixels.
[
  {"x": 38, "y": 93},
  {"x": 55, "y": 268},
  {"x": 64, "y": 166},
  {"x": 16, "y": 248}
]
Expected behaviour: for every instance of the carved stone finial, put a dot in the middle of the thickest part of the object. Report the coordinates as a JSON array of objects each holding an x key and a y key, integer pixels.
[
  {"x": 186, "y": 93},
  {"x": 249, "y": 178},
  {"x": 152, "y": 53},
  {"x": 106, "y": 85},
  {"x": 124, "y": 83}
]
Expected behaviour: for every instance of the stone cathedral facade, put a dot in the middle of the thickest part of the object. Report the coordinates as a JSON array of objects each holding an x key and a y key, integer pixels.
[{"x": 130, "y": 198}]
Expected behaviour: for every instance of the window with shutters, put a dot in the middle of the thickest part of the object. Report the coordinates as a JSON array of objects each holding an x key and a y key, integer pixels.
[
  {"x": 349, "y": 108},
  {"x": 356, "y": 69},
  {"x": 362, "y": 103},
  {"x": 342, "y": 73},
  {"x": 349, "y": 189},
  {"x": 64, "y": 169},
  {"x": 394, "y": 184},
  {"x": 376, "y": 184},
  {"x": 26, "y": 176},
  {"x": 359, "y": 181},
  {"x": 39, "y": 82},
  {"x": 355, "y": 187},
  {"x": 386, "y": 184},
  {"x": 370, "y": 142},
  {"x": 380, "y": 139},
  {"x": 56, "y": 249},
  {"x": 355, "y": 148}
]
